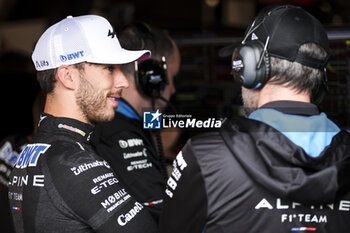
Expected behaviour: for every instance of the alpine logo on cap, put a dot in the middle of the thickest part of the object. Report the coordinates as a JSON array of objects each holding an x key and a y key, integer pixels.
[
  {"x": 112, "y": 33},
  {"x": 254, "y": 36}
]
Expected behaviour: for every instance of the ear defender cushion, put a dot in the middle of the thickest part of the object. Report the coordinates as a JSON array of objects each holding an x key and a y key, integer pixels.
[{"x": 245, "y": 65}]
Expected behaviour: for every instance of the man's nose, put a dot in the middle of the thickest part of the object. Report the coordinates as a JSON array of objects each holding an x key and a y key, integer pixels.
[{"x": 120, "y": 80}]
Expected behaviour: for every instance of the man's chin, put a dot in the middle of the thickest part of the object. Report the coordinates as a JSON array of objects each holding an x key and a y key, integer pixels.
[
  {"x": 109, "y": 117},
  {"x": 104, "y": 118}
]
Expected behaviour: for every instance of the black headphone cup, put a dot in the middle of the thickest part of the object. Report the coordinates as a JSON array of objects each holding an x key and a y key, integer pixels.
[
  {"x": 151, "y": 77},
  {"x": 252, "y": 71},
  {"x": 255, "y": 56}
]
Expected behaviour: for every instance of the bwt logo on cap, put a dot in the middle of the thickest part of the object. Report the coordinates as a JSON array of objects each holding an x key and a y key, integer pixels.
[
  {"x": 152, "y": 120},
  {"x": 72, "y": 56}
]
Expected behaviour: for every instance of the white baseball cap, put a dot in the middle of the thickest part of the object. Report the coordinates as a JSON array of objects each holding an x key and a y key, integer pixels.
[{"x": 88, "y": 38}]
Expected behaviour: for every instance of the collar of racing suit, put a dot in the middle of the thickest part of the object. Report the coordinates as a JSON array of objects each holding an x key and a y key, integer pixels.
[{"x": 75, "y": 129}]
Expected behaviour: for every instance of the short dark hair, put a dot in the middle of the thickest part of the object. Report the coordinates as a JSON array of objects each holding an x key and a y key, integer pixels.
[
  {"x": 141, "y": 36},
  {"x": 47, "y": 78}
]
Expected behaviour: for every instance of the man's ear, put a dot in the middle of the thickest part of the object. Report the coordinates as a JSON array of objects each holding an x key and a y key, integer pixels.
[{"x": 67, "y": 76}]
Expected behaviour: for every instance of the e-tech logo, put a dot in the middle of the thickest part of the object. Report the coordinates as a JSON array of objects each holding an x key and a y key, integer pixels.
[{"x": 152, "y": 120}]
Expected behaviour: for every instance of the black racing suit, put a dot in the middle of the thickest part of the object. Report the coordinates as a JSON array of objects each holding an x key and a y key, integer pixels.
[
  {"x": 249, "y": 177},
  {"x": 131, "y": 152},
  {"x": 59, "y": 184}
]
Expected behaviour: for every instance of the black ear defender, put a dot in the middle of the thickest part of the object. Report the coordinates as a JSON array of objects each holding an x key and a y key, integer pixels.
[
  {"x": 251, "y": 60},
  {"x": 151, "y": 77},
  {"x": 251, "y": 64}
]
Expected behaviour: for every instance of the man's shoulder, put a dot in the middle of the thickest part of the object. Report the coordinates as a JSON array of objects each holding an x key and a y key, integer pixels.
[
  {"x": 205, "y": 138},
  {"x": 212, "y": 144},
  {"x": 57, "y": 153},
  {"x": 203, "y": 145}
]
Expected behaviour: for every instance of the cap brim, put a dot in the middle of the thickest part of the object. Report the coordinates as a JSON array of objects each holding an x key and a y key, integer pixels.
[
  {"x": 228, "y": 50},
  {"x": 122, "y": 56},
  {"x": 138, "y": 55}
]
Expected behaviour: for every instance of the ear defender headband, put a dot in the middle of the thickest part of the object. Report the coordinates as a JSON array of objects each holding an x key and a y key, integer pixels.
[
  {"x": 151, "y": 77},
  {"x": 251, "y": 60}
]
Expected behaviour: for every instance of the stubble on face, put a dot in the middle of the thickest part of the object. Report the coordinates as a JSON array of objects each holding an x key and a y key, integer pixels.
[
  {"x": 250, "y": 100},
  {"x": 93, "y": 103}
]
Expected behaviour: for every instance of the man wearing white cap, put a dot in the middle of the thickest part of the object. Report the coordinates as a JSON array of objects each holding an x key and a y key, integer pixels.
[{"x": 59, "y": 184}]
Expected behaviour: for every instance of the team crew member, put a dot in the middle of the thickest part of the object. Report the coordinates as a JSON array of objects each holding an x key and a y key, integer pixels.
[
  {"x": 130, "y": 149},
  {"x": 10, "y": 148},
  {"x": 59, "y": 184},
  {"x": 286, "y": 167}
]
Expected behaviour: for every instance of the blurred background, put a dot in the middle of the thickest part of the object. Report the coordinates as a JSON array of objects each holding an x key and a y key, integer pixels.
[{"x": 200, "y": 28}]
